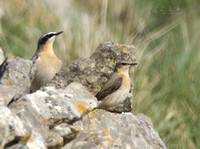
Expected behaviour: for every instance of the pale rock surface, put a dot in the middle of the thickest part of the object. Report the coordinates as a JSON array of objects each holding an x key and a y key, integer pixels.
[
  {"x": 17, "y": 73},
  {"x": 102, "y": 129}
]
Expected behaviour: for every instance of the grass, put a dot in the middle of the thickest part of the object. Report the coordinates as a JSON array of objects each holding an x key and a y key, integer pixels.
[{"x": 166, "y": 36}]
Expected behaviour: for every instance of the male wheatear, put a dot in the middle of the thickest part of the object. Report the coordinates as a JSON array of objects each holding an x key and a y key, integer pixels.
[
  {"x": 115, "y": 90},
  {"x": 46, "y": 61}
]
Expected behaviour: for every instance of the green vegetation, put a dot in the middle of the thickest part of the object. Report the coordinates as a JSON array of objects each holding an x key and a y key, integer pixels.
[{"x": 166, "y": 35}]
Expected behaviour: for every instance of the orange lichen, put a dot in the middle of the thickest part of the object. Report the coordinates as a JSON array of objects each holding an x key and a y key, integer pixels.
[
  {"x": 88, "y": 121},
  {"x": 11, "y": 56},
  {"x": 131, "y": 107},
  {"x": 112, "y": 61},
  {"x": 91, "y": 114},
  {"x": 60, "y": 143},
  {"x": 109, "y": 141},
  {"x": 7, "y": 81},
  {"x": 9, "y": 86},
  {"x": 151, "y": 142},
  {"x": 135, "y": 54},
  {"x": 60, "y": 121},
  {"x": 55, "y": 138},
  {"x": 76, "y": 128},
  {"x": 15, "y": 132},
  {"x": 124, "y": 50},
  {"x": 89, "y": 135},
  {"x": 30, "y": 140},
  {"x": 103, "y": 134},
  {"x": 90, "y": 107},
  {"x": 24, "y": 139},
  {"x": 85, "y": 131},
  {"x": 83, "y": 76},
  {"x": 46, "y": 118},
  {"x": 81, "y": 108},
  {"x": 121, "y": 45},
  {"x": 157, "y": 146},
  {"x": 106, "y": 131},
  {"x": 98, "y": 65},
  {"x": 101, "y": 145}
]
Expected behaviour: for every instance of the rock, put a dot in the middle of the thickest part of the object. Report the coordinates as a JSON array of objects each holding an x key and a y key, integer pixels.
[
  {"x": 93, "y": 72},
  {"x": 35, "y": 124},
  {"x": 66, "y": 105},
  {"x": 17, "y": 73},
  {"x": 63, "y": 114},
  {"x": 1, "y": 51},
  {"x": 49, "y": 113},
  {"x": 6, "y": 94},
  {"x": 12, "y": 129},
  {"x": 102, "y": 129}
]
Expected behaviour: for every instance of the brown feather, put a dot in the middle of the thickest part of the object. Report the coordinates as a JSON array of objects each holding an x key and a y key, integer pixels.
[{"x": 109, "y": 87}]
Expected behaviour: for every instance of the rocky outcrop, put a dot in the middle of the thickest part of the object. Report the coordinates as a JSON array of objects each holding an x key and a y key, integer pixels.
[
  {"x": 63, "y": 114},
  {"x": 110, "y": 130},
  {"x": 17, "y": 73},
  {"x": 93, "y": 72}
]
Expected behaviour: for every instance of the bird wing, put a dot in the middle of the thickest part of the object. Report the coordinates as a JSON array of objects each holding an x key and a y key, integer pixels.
[
  {"x": 35, "y": 57},
  {"x": 109, "y": 87}
]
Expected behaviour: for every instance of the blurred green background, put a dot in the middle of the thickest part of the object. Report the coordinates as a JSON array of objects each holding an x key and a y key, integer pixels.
[{"x": 166, "y": 34}]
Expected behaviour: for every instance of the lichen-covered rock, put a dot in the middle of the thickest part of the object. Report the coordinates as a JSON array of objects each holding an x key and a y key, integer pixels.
[
  {"x": 6, "y": 94},
  {"x": 17, "y": 73},
  {"x": 64, "y": 114},
  {"x": 102, "y": 129},
  {"x": 49, "y": 113},
  {"x": 66, "y": 105},
  {"x": 93, "y": 72},
  {"x": 11, "y": 128}
]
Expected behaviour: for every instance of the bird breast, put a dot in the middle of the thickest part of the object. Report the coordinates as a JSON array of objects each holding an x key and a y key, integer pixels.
[
  {"x": 48, "y": 65},
  {"x": 118, "y": 96}
]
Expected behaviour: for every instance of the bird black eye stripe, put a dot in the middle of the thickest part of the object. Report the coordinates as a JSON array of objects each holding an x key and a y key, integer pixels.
[
  {"x": 125, "y": 64},
  {"x": 50, "y": 35}
]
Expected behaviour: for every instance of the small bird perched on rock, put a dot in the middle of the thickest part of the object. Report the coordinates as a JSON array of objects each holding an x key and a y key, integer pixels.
[
  {"x": 46, "y": 61},
  {"x": 115, "y": 90}
]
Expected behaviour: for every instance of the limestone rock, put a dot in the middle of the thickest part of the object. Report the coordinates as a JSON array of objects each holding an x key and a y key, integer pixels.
[
  {"x": 1, "y": 51},
  {"x": 49, "y": 113},
  {"x": 17, "y": 73},
  {"x": 102, "y": 129},
  {"x": 93, "y": 72},
  {"x": 6, "y": 94},
  {"x": 66, "y": 105},
  {"x": 63, "y": 114},
  {"x": 11, "y": 128}
]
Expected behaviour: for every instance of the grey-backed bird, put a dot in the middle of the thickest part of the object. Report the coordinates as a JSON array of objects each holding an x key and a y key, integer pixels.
[
  {"x": 46, "y": 61},
  {"x": 115, "y": 90}
]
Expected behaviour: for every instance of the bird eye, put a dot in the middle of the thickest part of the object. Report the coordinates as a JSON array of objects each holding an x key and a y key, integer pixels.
[{"x": 49, "y": 35}]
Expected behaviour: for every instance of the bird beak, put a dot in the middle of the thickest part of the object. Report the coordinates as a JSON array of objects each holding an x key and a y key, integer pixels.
[
  {"x": 58, "y": 33},
  {"x": 133, "y": 64}
]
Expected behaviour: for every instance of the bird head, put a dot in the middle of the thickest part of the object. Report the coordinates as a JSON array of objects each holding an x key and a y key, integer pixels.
[
  {"x": 124, "y": 65},
  {"x": 48, "y": 38}
]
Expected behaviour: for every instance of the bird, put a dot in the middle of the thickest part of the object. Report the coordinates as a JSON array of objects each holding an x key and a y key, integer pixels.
[
  {"x": 116, "y": 89},
  {"x": 47, "y": 63}
]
